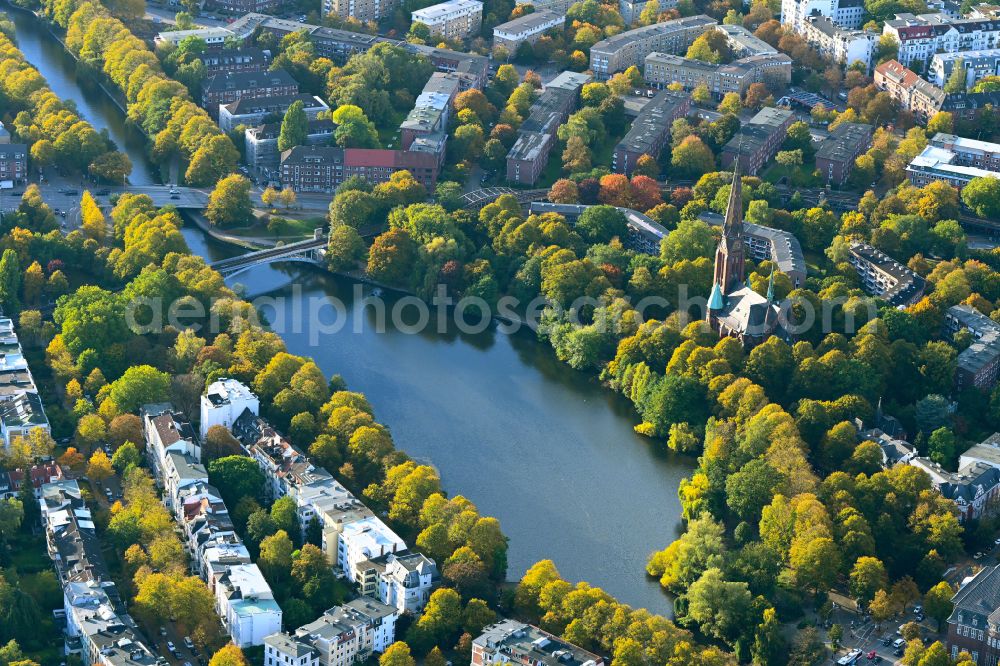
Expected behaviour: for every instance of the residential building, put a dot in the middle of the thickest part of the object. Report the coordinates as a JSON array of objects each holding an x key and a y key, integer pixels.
[
  {"x": 974, "y": 624},
  {"x": 631, "y": 10},
  {"x": 662, "y": 69},
  {"x": 779, "y": 247},
  {"x": 979, "y": 363},
  {"x": 557, "y": 6},
  {"x": 842, "y": 45},
  {"x": 21, "y": 409},
  {"x": 366, "y": 11},
  {"x": 914, "y": 94},
  {"x": 223, "y": 402},
  {"x": 969, "y": 106},
  {"x": 510, "y": 641},
  {"x": 338, "y": 45},
  {"x": 976, "y": 64},
  {"x": 847, "y": 13},
  {"x": 430, "y": 113},
  {"x": 252, "y": 111},
  {"x": 734, "y": 309},
  {"x": 644, "y": 233},
  {"x": 167, "y": 431},
  {"x": 181, "y": 471},
  {"x": 986, "y": 452},
  {"x": 884, "y": 277},
  {"x": 955, "y": 160},
  {"x": 342, "y": 636},
  {"x": 402, "y": 580},
  {"x": 363, "y": 540},
  {"x": 537, "y": 134},
  {"x": 244, "y": 59},
  {"x": 454, "y": 19},
  {"x": 261, "y": 145},
  {"x": 650, "y": 130},
  {"x": 895, "y": 450},
  {"x": 758, "y": 140},
  {"x": 213, "y": 37},
  {"x": 837, "y": 152},
  {"x": 472, "y": 68},
  {"x": 4, "y": 135},
  {"x": 242, "y": 6},
  {"x": 13, "y": 163},
  {"x": 246, "y": 605},
  {"x": 619, "y": 52},
  {"x": 744, "y": 43},
  {"x": 37, "y": 475},
  {"x": 920, "y": 37},
  {"x": 323, "y": 168},
  {"x": 974, "y": 488},
  {"x": 527, "y": 28},
  {"x": 228, "y": 87}
]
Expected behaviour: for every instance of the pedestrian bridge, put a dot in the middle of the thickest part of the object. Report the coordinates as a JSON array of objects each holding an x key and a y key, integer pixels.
[{"x": 309, "y": 251}]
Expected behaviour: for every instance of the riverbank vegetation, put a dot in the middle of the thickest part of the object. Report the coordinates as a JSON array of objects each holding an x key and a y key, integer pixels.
[
  {"x": 56, "y": 136},
  {"x": 181, "y": 133}
]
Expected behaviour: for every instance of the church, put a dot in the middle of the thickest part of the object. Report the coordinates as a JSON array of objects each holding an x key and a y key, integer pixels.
[{"x": 734, "y": 309}]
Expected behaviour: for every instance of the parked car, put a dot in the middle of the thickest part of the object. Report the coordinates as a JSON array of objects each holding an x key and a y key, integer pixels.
[
  {"x": 103, "y": 192},
  {"x": 175, "y": 196},
  {"x": 188, "y": 642},
  {"x": 170, "y": 646}
]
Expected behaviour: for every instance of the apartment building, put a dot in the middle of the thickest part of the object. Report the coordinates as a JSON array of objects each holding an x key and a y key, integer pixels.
[
  {"x": 4, "y": 135},
  {"x": 363, "y": 540},
  {"x": 37, "y": 475},
  {"x": 537, "y": 134},
  {"x": 260, "y": 144},
  {"x": 455, "y": 19},
  {"x": 884, "y": 277},
  {"x": 976, "y": 64},
  {"x": 228, "y": 87},
  {"x": 403, "y": 580},
  {"x": 213, "y": 37},
  {"x": 972, "y": 625},
  {"x": 342, "y": 636},
  {"x": 167, "y": 431},
  {"x": 779, "y": 247},
  {"x": 21, "y": 409},
  {"x": 246, "y": 605},
  {"x": 837, "y": 152},
  {"x": 510, "y": 641},
  {"x": 429, "y": 116},
  {"x": 744, "y": 43},
  {"x": 557, "y": 6},
  {"x": 920, "y": 37},
  {"x": 914, "y": 94},
  {"x": 251, "y": 111},
  {"x": 527, "y": 28},
  {"x": 955, "y": 160},
  {"x": 366, "y": 11},
  {"x": 842, "y": 45},
  {"x": 224, "y": 401},
  {"x": 662, "y": 69},
  {"x": 973, "y": 489},
  {"x": 644, "y": 233},
  {"x": 13, "y": 163},
  {"x": 323, "y": 168},
  {"x": 650, "y": 130},
  {"x": 979, "y": 363},
  {"x": 181, "y": 471},
  {"x": 338, "y": 45},
  {"x": 244, "y": 59},
  {"x": 758, "y": 140},
  {"x": 619, "y": 52},
  {"x": 242, "y": 6},
  {"x": 848, "y": 14}
]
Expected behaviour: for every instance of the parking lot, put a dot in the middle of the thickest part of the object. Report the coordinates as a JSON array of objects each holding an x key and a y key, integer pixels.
[{"x": 872, "y": 645}]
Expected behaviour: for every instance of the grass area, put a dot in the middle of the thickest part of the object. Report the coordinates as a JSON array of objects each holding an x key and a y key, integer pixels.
[
  {"x": 816, "y": 263},
  {"x": 802, "y": 176},
  {"x": 553, "y": 171},
  {"x": 292, "y": 228}
]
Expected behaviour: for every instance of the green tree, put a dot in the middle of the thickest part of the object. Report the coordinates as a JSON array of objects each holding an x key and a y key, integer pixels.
[
  {"x": 346, "y": 249},
  {"x": 397, "y": 654},
  {"x": 127, "y": 455},
  {"x": 139, "y": 385},
  {"x": 236, "y": 477},
  {"x": 284, "y": 513},
  {"x": 692, "y": 158},
  {"x": 10, "y": 282},
  {"x": 229, "y": 204},
  {"x": 868, "y": 577},
  {"x": 294, "y": 127},
  {"x": 956, "y": 80},
  {"x": 937, "y": 602},
  {"x": 982, "y": 195},
  {"x": 275, "y": 558},
  {"x": 599, "y": 224},
  {"x": 721, "y": 608}
]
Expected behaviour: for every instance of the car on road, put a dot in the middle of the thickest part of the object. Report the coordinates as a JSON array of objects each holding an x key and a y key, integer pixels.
[
  {"x": 103, "y": 192},
  {"x": 71, "y": 193},
  {"x": 977, "y": 555},
  {"x": 188, "y": 643},
  {"x": 175, "y": 196}
]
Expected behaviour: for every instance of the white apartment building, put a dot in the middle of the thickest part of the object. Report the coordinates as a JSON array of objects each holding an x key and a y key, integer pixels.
[
  {"x": 342, "y": 636},
  {"x": 976, "y": 64},
  {"x": 363, "y": 540},
  {"x": 402, "y": 580},
  {"x": 455, "y": 19},
  {"x": 246, "y": 605},
  {"x": 223, "y": 402},
  {"x": 921, "y": 37},
  {"x": 847, "y": 14},
  {"x": 527, "y": 28},
  {"x": 839, "y": 44},
  {"x": 181, "y": 471},
  {"x": 96, "y": 632}
]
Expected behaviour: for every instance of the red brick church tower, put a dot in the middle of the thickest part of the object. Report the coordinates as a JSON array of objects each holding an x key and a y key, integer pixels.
[{"x": 729, "y": 255}]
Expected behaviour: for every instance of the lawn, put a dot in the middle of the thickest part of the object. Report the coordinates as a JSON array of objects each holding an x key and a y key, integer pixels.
[
  {"x": 293, "y": 229},
  {"x": 801, "y": 176}
]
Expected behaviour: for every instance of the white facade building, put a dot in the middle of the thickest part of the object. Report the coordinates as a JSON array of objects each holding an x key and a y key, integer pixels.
[
  {"x": 246, "y": 605},
  {"x": 342, "y": 636},
  {"x": 845, "y": 46},
  {"x": 920, "y": 37},
  {"x": 362, "y": 540},
  {"x": 455, "y": 19},
  {"x": 845, "y": 13},
  {"x": 224, "y": 401}
]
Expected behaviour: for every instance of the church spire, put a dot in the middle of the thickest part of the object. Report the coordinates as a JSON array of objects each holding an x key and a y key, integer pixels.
[
  {"x": 770, "y": 287},
  {"x": 729, "y": 256},
  {"x": 733, "y": 225}
]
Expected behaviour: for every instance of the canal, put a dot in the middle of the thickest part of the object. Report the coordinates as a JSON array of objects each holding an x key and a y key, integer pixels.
[{"x": 538, "y": 445}]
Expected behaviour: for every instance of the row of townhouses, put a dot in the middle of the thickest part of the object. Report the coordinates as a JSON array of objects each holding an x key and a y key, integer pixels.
[
  {"x": 832, "y": 27},
  {"x": 243, "y": 599},
  {"x": 21, "y": 409},
  {"x": 13, "y": 160},
  {"x": 98, "y": 629}
]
